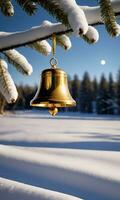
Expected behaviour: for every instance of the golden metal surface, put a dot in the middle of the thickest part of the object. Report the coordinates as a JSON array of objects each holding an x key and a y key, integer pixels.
[
  {"x": 53, "y": 111},
  {"x": 53, "y": 91}
]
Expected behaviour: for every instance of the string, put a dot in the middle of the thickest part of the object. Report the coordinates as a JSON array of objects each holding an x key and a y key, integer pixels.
[{"x": 53, "y": 44}]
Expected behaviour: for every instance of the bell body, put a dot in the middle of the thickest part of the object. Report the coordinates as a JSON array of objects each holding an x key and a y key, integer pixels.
[{"x": 53, "y": 91}]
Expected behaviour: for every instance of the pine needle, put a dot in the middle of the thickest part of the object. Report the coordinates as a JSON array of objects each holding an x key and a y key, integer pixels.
[
  {"x": 52, "y": 6},
  {"x": 7, "y": 8},
  {"x": 28, "y": 6},
  {"x": 108, "y": 17}
]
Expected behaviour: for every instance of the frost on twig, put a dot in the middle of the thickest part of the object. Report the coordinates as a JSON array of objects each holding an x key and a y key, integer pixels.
[
  {"x": 64, "y": 41},
  {"x": 92, "y": 35},
  {"x": 7, "y": 86},
  {"x": 42, "y": 47},
  {"x": 19, "y": 61}
]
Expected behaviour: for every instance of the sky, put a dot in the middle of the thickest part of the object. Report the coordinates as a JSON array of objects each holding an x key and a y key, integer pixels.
[{"x": 80, "y": 58}]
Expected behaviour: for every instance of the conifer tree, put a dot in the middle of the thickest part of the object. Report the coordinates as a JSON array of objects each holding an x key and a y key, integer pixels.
[
  {"x": 111, "y": 95},
  {"x": 95, "y": 93},
  {"x": 102, "y": 99},
  {"x": 118, "y": 91},
  {"x": 75, "y": 90},
  {"x": 86, "y": 94}
]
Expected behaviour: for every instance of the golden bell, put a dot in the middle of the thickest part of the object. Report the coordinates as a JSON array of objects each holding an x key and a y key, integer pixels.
[{"x": 53, "y": 91}]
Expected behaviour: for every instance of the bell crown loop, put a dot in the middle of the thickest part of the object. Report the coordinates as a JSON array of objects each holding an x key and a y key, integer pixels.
[{"x": 53, "y": 62}]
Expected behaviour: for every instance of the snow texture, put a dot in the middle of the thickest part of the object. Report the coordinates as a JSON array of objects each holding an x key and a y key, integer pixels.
[
  {"x": 7, "y": 86},
  {"x": 22, "y": 64},
  {"x": 76, "y": 16},
  {"x": 11, "y": 39},
  {"x": 3, "y": 63},
  {"x": 13, "y": 190},
  {"x": 92, "y": 34},
  {"x": 42, "y": 47},
  {"x": 64, "y": 41},
  {"x": 48, "y": 158}
]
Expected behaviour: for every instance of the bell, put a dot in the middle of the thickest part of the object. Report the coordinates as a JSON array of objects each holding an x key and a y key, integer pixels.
[{"x": 53, "y": 91}]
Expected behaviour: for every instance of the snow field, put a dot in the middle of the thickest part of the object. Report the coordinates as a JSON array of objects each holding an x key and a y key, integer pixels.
[{"x": 51, "y": 158}]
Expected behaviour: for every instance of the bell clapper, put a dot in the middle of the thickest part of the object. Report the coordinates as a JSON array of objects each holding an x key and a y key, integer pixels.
[{"x": 53, "y": 111}]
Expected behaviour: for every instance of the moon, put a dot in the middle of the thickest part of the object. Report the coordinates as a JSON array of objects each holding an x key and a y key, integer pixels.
[{"x": 102, "y": 62}]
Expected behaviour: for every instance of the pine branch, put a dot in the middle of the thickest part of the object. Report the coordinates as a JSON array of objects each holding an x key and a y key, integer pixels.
[
  {"x": 7, "y": 86},
  {"x": 17, "y": 39},
  {"x": 54, "y": 9},
  {"x": 18, "y": 61},
  {"x": 28, "y": 6},
  {"x": 67, "y": 12},
  {"x": 7, "y": 8},
  {"x": 108, "y": 17}
]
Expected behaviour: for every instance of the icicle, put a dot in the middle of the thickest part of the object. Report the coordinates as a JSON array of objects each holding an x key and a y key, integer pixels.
[
  {"x": 19, "y": 61},
  {"x": 7, "y": 86},
  {"x": 42, "y": 47}
]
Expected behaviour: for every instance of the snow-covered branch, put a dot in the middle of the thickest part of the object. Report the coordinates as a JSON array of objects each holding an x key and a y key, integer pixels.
[{"x": 17, "y": 39}]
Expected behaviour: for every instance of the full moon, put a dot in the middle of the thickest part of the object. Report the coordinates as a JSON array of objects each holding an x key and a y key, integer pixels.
[{"x": 102, "y": 62}]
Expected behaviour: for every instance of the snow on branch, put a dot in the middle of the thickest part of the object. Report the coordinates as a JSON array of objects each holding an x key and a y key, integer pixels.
[
  {"x": 17, "y": 39},
  {"x": 19, "y": 61},
  {"x": 7, "y": 86}
]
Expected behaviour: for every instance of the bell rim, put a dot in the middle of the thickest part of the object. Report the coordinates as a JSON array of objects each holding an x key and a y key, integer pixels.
[{"x": 54, "y": 104}]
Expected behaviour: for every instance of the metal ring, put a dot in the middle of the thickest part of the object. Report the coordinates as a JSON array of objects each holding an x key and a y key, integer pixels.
[{"x": 53, "y": 62}]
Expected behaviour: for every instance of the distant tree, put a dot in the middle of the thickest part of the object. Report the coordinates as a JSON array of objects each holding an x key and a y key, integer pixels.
[
  {"x": 75, "y": 88},
  {"x": 95, "y": 93},
  {"x": 102, "y": 99},
  {"x": 95, "y": 88},
  {"x": 2, "y": 104},
  {"x": 111, "y": 95},
  {"x": 69, "y": 83},
  {"x": 118, "y": 91},
  {"x": 86, "y": 94},
  {"x": 26, "y": 93}
]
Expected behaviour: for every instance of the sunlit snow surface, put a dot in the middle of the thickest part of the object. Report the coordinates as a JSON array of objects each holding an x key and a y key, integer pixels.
[{"x": 62, "y": 158}]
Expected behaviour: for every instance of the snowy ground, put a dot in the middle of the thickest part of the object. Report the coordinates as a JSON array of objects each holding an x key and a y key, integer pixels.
[{"x": 61, "y": 158}]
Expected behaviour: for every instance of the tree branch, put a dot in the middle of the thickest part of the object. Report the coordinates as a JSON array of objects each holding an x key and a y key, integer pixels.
[{"x": 17, "y": 39}]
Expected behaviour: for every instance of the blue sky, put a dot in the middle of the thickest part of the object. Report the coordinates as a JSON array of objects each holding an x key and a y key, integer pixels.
[{"x": 82, "y": 57}]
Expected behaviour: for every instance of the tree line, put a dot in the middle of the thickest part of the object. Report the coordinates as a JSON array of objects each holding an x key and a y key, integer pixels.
[{"x": 91, "y": 96}]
